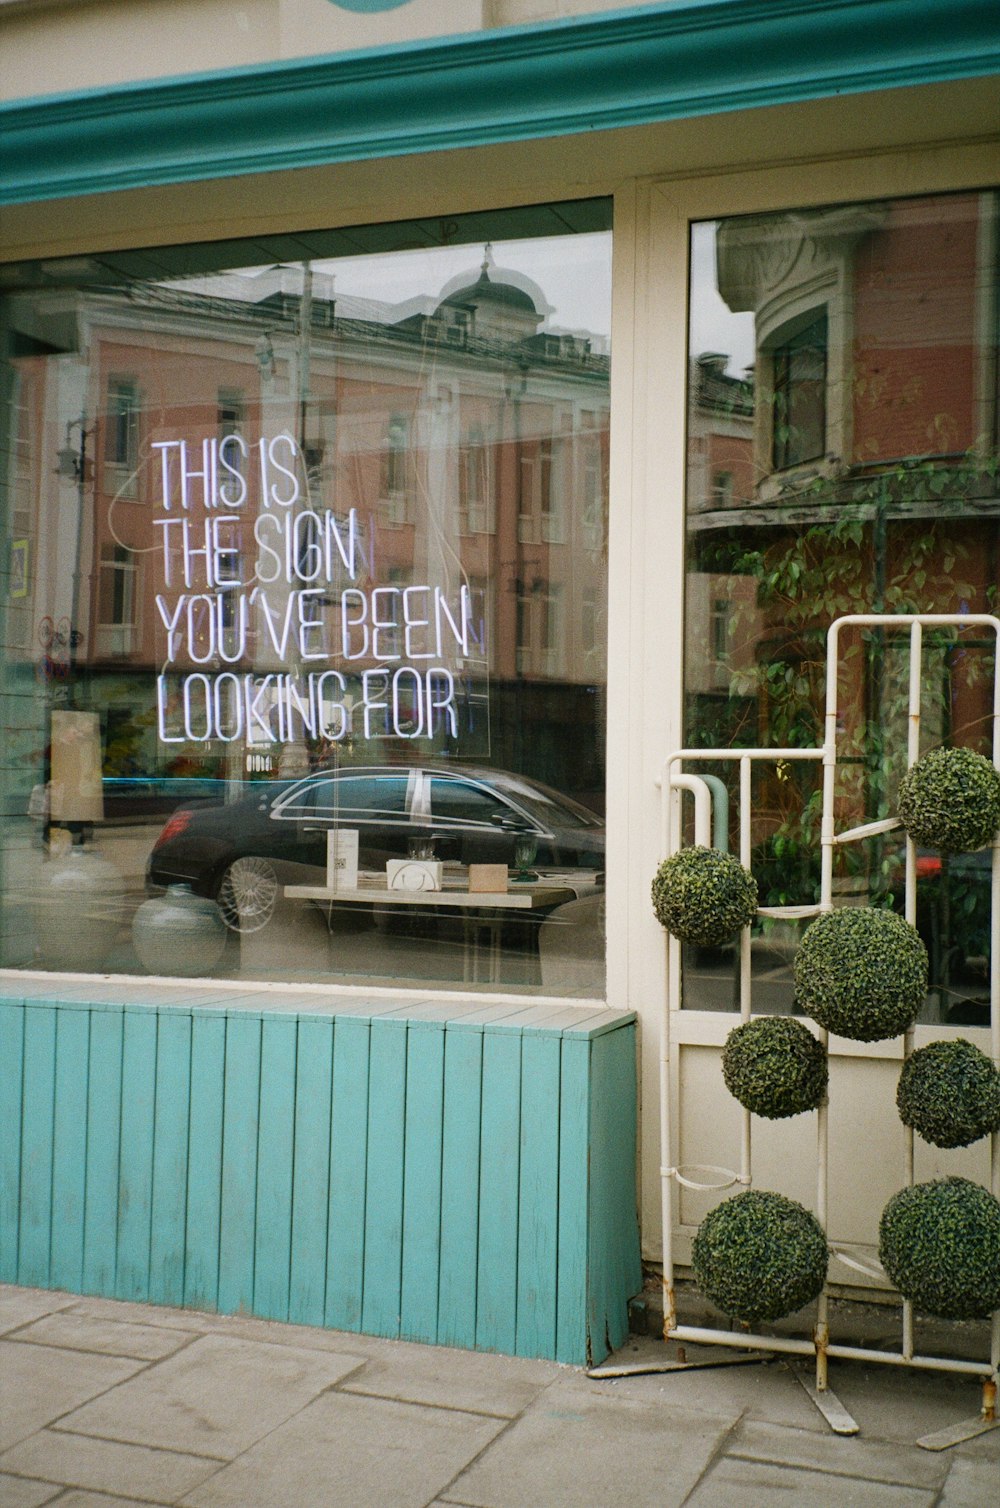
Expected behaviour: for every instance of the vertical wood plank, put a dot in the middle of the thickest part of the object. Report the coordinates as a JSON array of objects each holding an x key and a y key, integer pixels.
[
  {"x": 311, "y": 1174},
  {"x": 204, "y": 1191},
  {"x": 613, "y": 1237},
  {"x": 463, "y": 1068},
  {"x": 496, "y": 1313},
  {"x": 135, "y": 1167},
  {"x": 572, "y": 1341},
  {"x": 12, "y": 1014},
  {"x": 69, "y": 1156},
  {"x": 348, "y": 1173},
  {"x": 170, "y": 1158},
  {"x": 275, "y": 1150},
  {"x": 38, "y": 1105},
  {"x": 422, "y": 1182},
  {"x": 104, "y": 1087},
  {"x": 241, "y": 1112},
  {"x": 380, "y": 1302},
  {"x": 538, "y": 1196}
]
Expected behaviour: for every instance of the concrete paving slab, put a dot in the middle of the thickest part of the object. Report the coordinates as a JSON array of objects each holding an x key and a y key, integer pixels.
[
  {"x": 471, "y": 1380},
  {"x": 216, "y": 1397},
  {"x": 838, "y": 1455},
  {"x": 364, "y": 1452},
  {"x": 19, "y": 1492},
  {"x": 245, "y": 1326},
  {"x": 41, "y": 1384},
  {"x": 107, "y": 1466},
  {"x": 903, "y": 1403},
  {"x": 85, "y": 1499},
  {"x": 572, "y": 1449},
  {"x": 19, "y": 1306},
  {"x": 85, "y": 1332},
  {"x": 737, "y": 1484},
  {"x": 970, "y": 1484}
]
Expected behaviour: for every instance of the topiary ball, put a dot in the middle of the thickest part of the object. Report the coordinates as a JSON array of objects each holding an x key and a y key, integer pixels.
[
  {"x": 775, "y": 1067},
  {"x": 940, "y": 1246},
  {"x": 703, "y": 895},
  {"x": 950, "y": 800},
  {"x": 949, "y": 1092},
  {"x": 861, "y": 972},
  {"x": 760, "y": 1256}
]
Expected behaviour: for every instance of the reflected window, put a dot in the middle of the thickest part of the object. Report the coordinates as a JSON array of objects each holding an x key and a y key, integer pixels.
[
  {"x": 799, "y": 410},
  {"x": 460, "y": 801}
]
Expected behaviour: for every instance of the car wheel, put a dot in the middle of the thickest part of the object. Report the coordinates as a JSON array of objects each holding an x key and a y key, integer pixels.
[{"x": 247, "y": 894}]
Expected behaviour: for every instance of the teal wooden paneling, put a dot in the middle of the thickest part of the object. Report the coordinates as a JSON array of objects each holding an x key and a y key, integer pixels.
[
  {"x": 422, "y": 1181},
  {"x": 538, "y": 1196},
  {"x": 613, "y": 1235},
  {"x": 104, "y": 1090},
  {"x": 241, "y": 1116},
  {"x": 311, "y": 1173},
  {"x": 460, "y": 1175},
  {"x": 135, "y": 1165},
  {"x": 573, "y": 1215},
  {"x": 170, "y": 1158},
  {"x": 499, "y": 1166},
  {"x": 69, "y": 1154},
  {"x": 383, "y": 1263},
  {"x": 275, "y": 1154},
  {"x": 204, "y": 1192},
  {"x": 462, "y": 1110},
  {"x": 11, "y": 1075},
  {"x": 348, "y": 1173},
  {"x": 37, "y": 1113}
]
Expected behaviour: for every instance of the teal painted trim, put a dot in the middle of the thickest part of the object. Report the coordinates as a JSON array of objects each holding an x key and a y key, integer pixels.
[
  {"x": 627, "y": 68},
  {"x": 311, "y": 1180},
  {"x": 170, "y": 1158},
  {"x": 204, "y": 1177},
  {"x": 69, "y": 1155},
  {"x": 135, "y": 1168}
]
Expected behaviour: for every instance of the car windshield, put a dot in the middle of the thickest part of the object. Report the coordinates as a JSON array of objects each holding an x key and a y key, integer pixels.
[{"x": 546, "y": 806}]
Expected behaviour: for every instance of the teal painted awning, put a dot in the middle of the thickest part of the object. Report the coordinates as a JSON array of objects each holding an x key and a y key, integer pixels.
[{"x": 625, "y": 68}]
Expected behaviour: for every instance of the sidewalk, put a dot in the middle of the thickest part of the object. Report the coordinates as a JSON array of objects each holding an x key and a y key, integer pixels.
[{"x": 106, "y": 1405}]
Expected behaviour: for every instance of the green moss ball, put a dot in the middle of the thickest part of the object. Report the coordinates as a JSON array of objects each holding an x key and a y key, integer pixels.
[
  {"x": 775, "y": 1067},
  {"x": 949, "y": 1092},
  {"x": 861, "y": 972},
  {"x": 940, "y": 1246},
  {"x": 950, "y": 800},
  {"x": 703, "y": 895},
  {"x": 760, "y": 1256}
]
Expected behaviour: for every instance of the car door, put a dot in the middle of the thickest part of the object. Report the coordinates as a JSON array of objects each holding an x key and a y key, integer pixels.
[{"x": 373, "y": 802}]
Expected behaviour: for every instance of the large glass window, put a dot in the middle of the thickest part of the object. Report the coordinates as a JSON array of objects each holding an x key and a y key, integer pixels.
[
  {"x": 842, "y": 423},
  {"x": 306, "y": 541}
]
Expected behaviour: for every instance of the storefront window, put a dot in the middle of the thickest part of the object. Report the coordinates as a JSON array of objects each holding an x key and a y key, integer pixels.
[
  {"x": 306, "y": 606},
  {"x": 843, "y": 429}
]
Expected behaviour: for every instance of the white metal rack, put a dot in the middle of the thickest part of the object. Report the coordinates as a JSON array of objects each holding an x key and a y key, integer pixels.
[{"x": 705, "y": 1177}]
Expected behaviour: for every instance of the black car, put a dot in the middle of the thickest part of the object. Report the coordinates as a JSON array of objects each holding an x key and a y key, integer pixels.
[{"x": 241, "y": 853}]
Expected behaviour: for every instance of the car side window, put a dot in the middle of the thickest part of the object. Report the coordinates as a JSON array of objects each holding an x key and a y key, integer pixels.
[
  {"x": 459, "y": 801},
  {"x": 350, "y": 798},
  {"x": 362, "y": 798}
]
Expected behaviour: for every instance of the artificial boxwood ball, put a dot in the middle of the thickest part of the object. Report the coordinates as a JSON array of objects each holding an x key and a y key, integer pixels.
[
  {"x": 940, "y": 1246},
  {"x": 949, "y": 1092},
  {"x": 775, "y": 1067},
  {"x": 950, "y": 800},
  {"x": 703, "y": 895},
  {"x": 760, "y": 1256},
  {"x": 861, "y": 972}
]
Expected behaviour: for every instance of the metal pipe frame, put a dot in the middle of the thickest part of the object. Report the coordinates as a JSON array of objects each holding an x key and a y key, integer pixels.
[{"x": 672, "y": 783}]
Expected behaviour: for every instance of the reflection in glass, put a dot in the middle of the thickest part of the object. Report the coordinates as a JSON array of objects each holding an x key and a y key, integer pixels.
[
  {"x": 843, "y": 434},
  {"x": 304, "y": 546}
]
